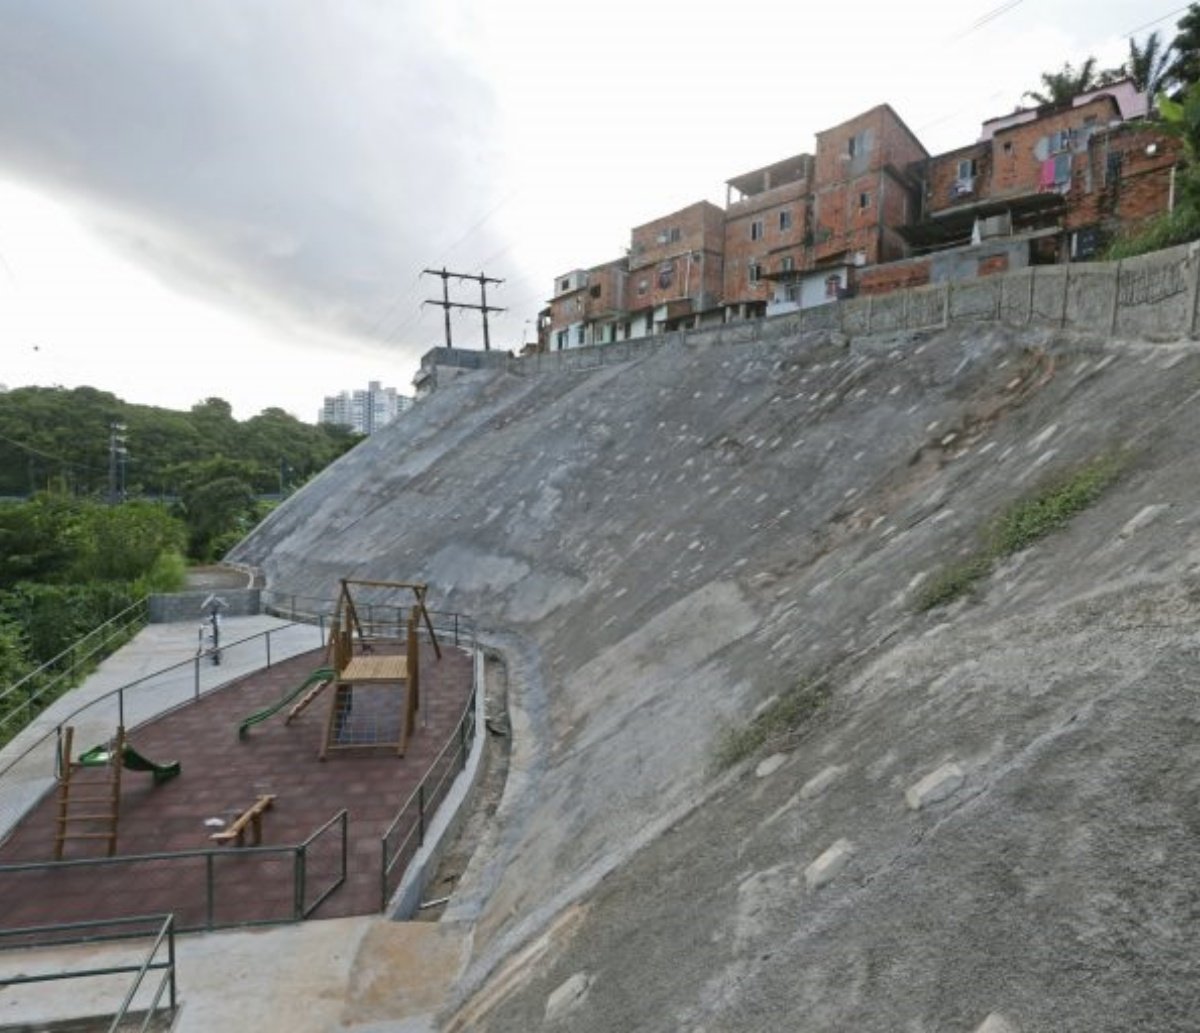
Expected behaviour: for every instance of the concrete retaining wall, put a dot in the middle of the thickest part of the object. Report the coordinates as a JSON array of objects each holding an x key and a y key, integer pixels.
[
  {"x": 1152, "y": 297},
  {"x": 186, "y": 606}
]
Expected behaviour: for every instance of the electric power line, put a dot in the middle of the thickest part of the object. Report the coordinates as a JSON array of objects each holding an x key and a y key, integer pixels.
[{"x": 46, "y": 455}]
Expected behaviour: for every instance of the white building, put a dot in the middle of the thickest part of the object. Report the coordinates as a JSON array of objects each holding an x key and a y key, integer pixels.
[{"x": 364, "y": 412}]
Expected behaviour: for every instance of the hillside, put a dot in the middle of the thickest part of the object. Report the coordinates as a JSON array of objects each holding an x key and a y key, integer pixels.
[{"x": 662, "y": 546}]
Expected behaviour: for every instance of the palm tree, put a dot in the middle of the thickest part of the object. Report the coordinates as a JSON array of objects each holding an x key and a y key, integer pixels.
[
  {"x": 1061, "y": 86},
  {"x": 1148, "y": 65},
  {"x": 1185, "y": 66}
]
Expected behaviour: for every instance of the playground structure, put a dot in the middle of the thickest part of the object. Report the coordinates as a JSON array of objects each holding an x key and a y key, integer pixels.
[
  {"x": 102, "y": 816},
  {"x": 376, "y": 693}
]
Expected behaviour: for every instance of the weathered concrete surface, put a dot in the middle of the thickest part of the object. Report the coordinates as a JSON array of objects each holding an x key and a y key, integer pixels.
[{"x": 660, "y": 546}]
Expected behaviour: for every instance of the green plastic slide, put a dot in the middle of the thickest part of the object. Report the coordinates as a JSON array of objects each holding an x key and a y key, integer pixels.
[
  {"x": 319, "y": 675},
  {"x": 98, "y": 756}
]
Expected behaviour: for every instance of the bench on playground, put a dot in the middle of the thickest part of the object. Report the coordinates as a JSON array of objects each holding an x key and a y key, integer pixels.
[{"x": 251, "y": 816}]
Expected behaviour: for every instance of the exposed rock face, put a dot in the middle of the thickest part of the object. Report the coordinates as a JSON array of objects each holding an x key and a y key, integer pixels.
[{"x": 658, "y": 547}]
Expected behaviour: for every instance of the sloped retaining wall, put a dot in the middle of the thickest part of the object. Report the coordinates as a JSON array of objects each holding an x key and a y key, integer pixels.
[{"x": 1151, "y": 297}]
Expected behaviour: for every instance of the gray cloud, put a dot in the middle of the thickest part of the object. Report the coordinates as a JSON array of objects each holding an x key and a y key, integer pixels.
[{"x": 302, "y": 158}]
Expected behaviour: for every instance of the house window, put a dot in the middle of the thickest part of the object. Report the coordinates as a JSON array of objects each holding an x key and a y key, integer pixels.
[
  {"x": 756, "y": 229},
  {"x": 643, "y": 286},
  {"x": 857, "y": 144},
  {"x": 666, "y": 272},
  {"x": 579, "y": 335},
  {"x": 673, "y": 235},
  {"x": 564, "y": 285},
  {"x": 595, "y": 291},
  {"x": 864, "y": 200},
  {"x": 560, "y": 340},
  {"x": 785, "y": 220},
  {"x": 966, "y": 169},
  {"x": 833, "y": 284},
  {"x": 792, "y": 292},
  {"x": 754, "y": 271},
  {"x": 788, "y": 264}
]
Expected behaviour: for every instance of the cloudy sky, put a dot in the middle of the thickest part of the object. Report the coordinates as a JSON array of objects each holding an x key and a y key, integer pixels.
[{"x": 236, "y": 197}]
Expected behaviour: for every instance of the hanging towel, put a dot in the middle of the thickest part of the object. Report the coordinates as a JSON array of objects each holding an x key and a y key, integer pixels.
[{"x": 1046, "y": 178}]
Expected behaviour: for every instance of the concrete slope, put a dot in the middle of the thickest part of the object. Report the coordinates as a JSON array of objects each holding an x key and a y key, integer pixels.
[{"x": 661, "y": 546}]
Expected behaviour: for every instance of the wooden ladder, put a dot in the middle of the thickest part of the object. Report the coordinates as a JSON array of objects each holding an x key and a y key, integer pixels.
[{"x": 101, "y": 804}]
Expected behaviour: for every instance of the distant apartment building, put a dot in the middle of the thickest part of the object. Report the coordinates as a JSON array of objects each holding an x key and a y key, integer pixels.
[
  {"x": 872, "y": 211},
  {"x": 364, "y": 412}
]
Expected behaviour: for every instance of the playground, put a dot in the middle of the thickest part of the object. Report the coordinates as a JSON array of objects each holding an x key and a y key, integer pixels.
[{"x": 253, "y": 803}]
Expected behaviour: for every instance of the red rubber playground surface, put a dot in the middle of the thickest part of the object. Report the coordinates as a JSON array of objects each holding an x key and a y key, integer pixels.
[{"x": 221, "y": 776}]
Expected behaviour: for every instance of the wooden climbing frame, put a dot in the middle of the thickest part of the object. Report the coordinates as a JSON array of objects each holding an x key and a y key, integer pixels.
[
  {"x": 356, "y": 717},
  {"x": 103, "y": 802}
]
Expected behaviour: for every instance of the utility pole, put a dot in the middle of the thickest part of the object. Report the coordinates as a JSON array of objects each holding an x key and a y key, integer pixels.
[
  {"x": 117, "y": 453},
  {"x": 446, "y": 304}
]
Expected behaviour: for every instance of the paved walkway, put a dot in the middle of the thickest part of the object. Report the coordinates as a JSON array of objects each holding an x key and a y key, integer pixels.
[{"x": 155, "y": 648}]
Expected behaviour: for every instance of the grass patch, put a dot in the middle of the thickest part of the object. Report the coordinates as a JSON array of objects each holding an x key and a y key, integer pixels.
[
  {"x": 1022, "y": 524},
  {"x": 1167, "y": 230},
  {"x": 783, "y": 718},
  {"x": 953, "y": 581}
]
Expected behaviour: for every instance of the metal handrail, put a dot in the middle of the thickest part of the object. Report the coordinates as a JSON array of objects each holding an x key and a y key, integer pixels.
[
  {"x": 118, "y": 692},
  {"x": 166, "y": 932},
  {"x": 299, "y": 852},
  {"x": 462, "y": 738},
  {"x": 70, "y": 650}
]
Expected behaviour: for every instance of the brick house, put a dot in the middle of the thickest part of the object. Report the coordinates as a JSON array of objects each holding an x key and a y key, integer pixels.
[
  {"x": 872, "y": 211},
  {"x": 1049, "y": 184},
  {"x": 768, "y": 233},
  {"x": 588, "y": 306},
  {"x": 863, "y": 195},
  {"x": 676, "y": 270}
]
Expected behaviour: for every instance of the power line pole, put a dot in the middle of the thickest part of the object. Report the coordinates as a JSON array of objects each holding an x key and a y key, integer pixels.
[
  {"x": 446, "y": 304},
  {"x": 117, "y": 453}
]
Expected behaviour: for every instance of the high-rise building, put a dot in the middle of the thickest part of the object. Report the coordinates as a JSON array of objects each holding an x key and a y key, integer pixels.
[{"x": 364, "y": 412}]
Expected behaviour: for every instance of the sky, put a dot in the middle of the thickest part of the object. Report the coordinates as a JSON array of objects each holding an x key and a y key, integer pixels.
[{"x": 236, "y": 198}]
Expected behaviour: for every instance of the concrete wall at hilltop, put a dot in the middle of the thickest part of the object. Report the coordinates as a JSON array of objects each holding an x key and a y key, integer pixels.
[{"x": 661, "y": 545}]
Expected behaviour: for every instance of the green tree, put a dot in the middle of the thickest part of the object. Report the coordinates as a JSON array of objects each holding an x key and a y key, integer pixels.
[
  {"x": 1059, "y": 87},
  {"x": 122, "y": 543},
  {"x": 1185, "y": 65},
  {"x": 1148, "y": 64}
]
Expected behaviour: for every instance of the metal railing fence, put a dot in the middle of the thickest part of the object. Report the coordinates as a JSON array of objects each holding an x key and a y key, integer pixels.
[
  {"x": 405, "y": 834},
  {"x": 149, "y": 696},
  {"x": 21, "y": 701},
  {"x": 214, "y": 888},
  {"x": 54, "y": 935}
]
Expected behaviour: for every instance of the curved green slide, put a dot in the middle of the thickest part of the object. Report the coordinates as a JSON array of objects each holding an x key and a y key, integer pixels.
[
  {"x": 98, "y": 756},
  {"x": 320, "y": 674}
]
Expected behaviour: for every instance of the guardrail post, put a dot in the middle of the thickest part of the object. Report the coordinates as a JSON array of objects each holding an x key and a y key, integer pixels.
[
  {"x": 383, "y": 872},
  {"x": 121, "y": 707},
  {"x": 171, "y": 960},
  {"x": 299, "y": 881},
  {"x": 421, "y": 814},
  {"x": 321, "y": 622},
  {"x": 456, "y": 629},
  {"x": 210, "y": 891},
  {"x": 268, "y": 640},
  {"x": 196, "y": 667}
]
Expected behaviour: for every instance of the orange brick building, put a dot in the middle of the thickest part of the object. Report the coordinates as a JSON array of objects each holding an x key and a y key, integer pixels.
[{"x": 872, "y": 211}]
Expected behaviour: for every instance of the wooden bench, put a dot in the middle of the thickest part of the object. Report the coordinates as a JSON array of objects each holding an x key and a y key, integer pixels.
[
  {"x": 251, "y": 816},
  {"x": 375, "y": 669}
]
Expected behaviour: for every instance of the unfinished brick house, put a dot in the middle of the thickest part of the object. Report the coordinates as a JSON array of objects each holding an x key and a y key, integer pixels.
[
  {"x": 1050, "y": 184},
  {"x": 873, "y": 212},
  {"x": 676, "y": 269},
  {"x": 768, "y": 233},
  {"x": 588, "y": 306}
]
